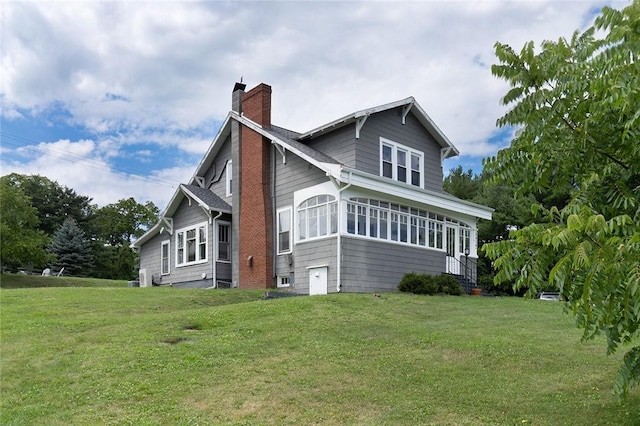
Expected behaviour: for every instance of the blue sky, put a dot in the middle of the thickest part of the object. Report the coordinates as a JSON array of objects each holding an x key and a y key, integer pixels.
[{"x": 121, "y": 99}]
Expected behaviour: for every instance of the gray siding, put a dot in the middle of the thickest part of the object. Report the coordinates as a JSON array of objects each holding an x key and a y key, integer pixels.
[
  {"x": 150, "y": 253},
  {"x": 338, "y": 144},
  {"x": 388, "y": 124},
  {"x": 370, "y": 265},
  {"x": 315, "y": 253},
  {"x": 217, "y": 172},
  {"x": 296, "y": 174}
]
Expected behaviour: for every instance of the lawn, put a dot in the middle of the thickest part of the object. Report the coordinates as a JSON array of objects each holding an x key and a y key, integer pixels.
[{"x": 183, "y": 356}]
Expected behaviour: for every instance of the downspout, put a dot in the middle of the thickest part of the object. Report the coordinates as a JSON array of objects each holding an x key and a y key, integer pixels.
[
  {"x": 214, "y": 270},
  {"x": 339, "y": 239},
  {"x": 274, "y": 217}
]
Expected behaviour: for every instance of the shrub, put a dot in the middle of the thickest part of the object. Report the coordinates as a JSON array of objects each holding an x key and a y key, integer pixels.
[
  {"x": 419, "y": 284},
  {"x": 447, "y": 284},
  {"x": 410, "y": 283}
]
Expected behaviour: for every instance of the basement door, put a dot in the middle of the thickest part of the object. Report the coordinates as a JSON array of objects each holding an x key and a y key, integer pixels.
[{"x": 318, "y": 280}]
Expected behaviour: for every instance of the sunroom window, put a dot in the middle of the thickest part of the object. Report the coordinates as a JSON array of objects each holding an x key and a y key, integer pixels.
[{"x": 317, "y": 217}]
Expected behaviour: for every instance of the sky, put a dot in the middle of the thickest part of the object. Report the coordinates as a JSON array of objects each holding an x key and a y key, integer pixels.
[{"x": 122, "y": 99}]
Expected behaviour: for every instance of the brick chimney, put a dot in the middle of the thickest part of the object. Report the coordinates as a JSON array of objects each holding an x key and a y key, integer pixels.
[{"x": 255, "y": 257}]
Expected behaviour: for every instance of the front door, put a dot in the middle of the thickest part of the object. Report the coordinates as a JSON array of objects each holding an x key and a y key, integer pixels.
[
  {"x": 453, "y": 264},
  {"x": 318, "y": 280}
]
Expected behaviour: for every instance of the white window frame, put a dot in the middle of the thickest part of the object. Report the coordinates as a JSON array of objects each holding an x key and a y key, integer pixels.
[
  {"x": 289, "y": 210},
  {"x": 228, "y": 225},
  {"x": 167, "y": 244},
  {"x": 229, "y": 178},
  {"x": 283, "y": 281},
  {"x": 395, "y": 147},
  {"x": 307, "y": 213},
  {"x": 183, "y": 232}
]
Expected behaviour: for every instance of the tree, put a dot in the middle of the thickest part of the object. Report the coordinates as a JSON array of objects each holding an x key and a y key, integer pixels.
[
  {"x": 577, "y": 106},
  {"x": 464, "y": 185},
  {"x": 71, "y": 248},
  {"x": 21, "y": 244},
  {"x": 116, "y": 224},
  {"x": 53, "y": 202}
]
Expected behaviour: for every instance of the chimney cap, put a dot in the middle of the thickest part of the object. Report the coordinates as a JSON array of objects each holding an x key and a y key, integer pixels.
[{"x": 239, "y": 86}]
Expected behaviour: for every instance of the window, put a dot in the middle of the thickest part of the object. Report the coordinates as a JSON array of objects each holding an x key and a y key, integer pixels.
[
  {"x": 284, "y": 230},
  {"x": 229, "y": 178},
  {"x": 395, "y": 222},
  {"x": 224, "y": 242},
  {"x": 191, "y": 245},
  {"x": 317, "y": 217},
  {"x": 164, "y": 258},
  {"x": 283, "y": 282},
  {"x": 401, "y": 163}
]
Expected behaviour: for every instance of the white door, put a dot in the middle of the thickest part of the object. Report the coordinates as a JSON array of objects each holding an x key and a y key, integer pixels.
[
  {"x": 453, "y": 263},
  {"x": 318, "y": 280}
]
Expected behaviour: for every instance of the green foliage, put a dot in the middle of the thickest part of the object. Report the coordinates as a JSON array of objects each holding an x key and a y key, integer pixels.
[
  {"x": 21, "y": 243},
  {"x": 54, "y": 203},
  {"x": 464, "y": 185},
  {"x": 447, "y": 284},
  {"x": 118, "y": 223},
  {"x": 429, "y": 284},
  {"x": 71, "y": 248},
  {"x": 577, "y": 106}
]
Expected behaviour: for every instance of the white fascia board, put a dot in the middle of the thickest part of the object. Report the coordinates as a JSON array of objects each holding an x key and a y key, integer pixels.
[
  {"x": 224, "y": 130},
  {"x": 356, "y": 115},
  {"x": 328, "y": 168},
  {"x": 147, "y": 235},
  {"x": 422, "y": 196}
]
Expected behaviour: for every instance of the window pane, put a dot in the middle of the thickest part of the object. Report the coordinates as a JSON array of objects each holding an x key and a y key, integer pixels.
[
  {"x": 387, "y": 170},
  {"x": 362, "y": 220},
  {"x": 322, "y": 220},
  {"x": 312, "y": 215},
  {"x": 283, "y": 221},
  {"x": 351, "y": 218},
  {"x": 394, "y": 226},
  {"x": 334, "y": 217},
  {"x": 284, "y": 241},
  {"x": 415, "y": 178},
  {"x": 403, "y": 228},
  {"x": 191, "y": 250},
  {"x": 402, "y": 158},
  {"x": 386, "y": 153},
  {"x": 383, "y": 225},
  {"x": 373, "y": 223},
  {"x": 415, "y": 162},
  {"x": 302, "y": 224}
]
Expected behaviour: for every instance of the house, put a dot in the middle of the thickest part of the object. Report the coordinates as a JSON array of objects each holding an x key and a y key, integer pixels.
[{"x": 350, "y": 206}]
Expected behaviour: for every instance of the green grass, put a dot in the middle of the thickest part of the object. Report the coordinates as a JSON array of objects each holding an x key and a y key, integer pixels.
[
  {"x": 181, "y": 356},
  {"x": 33, "y": 281}
]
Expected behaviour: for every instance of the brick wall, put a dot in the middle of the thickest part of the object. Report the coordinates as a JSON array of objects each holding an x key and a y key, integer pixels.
[{"x": 256, "y": 214}]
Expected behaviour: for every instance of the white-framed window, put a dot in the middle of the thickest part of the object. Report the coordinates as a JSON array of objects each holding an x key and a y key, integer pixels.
[
  {"x": 229, "y": 178},
  {"x": 283, "y": 281},
  {"x": 224, "y": 242},
  {"x": 401, "y": 163},
  {"x": 284, "y": 230},
  {"x": 402, "y": 224},
  {"x": 164, "y": 258},
  {"x": 317, "y": 217},
  {"x": 191, "y": 245}
]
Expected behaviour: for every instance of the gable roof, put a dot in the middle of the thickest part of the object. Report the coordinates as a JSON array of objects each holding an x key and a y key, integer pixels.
[{"x": 409, "y": 105}]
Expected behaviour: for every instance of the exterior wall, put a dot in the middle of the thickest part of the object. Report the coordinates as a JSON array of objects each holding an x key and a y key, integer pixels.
[
  {"x": 308, "y": 254},
  {"x": 369, "y": 265},
  {"x": 294, "y": 175},
  {"x": 388, "y": 124},
  {"x": 216, "y": 175},
  {"x": 338, "y": 144},
  {"x": 150, "y": 256}
]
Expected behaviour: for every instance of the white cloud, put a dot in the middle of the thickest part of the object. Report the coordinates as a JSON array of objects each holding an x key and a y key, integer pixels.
[{"x": 162, "y": 72}]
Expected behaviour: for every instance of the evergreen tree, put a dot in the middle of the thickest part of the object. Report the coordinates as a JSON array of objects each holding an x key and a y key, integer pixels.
[{"x": 71, "y": 248}]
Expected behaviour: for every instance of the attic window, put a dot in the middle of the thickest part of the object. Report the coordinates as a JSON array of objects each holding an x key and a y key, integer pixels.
[
  {"x": 229, "y": 178},
  {"x": 401, "y": 163}
]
